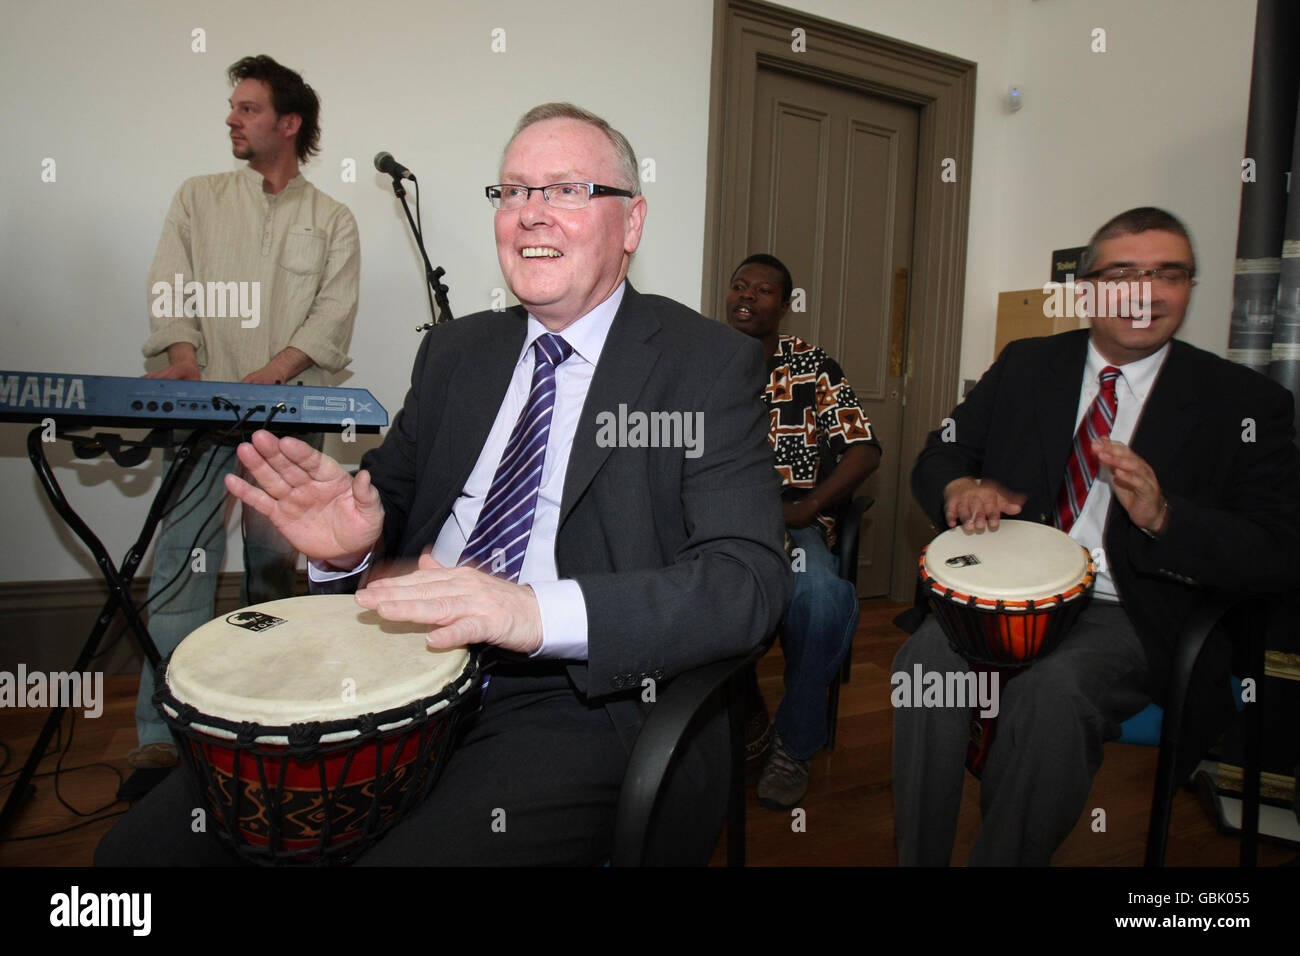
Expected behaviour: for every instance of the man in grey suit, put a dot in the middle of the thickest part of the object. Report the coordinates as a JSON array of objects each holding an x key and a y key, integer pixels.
[{"x": 634, "y": 554}]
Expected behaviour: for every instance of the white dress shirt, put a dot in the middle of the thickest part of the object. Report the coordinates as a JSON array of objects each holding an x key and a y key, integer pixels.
[
  {"x": 1134, "y": 384},
  {"x": 563, "y": 611}
]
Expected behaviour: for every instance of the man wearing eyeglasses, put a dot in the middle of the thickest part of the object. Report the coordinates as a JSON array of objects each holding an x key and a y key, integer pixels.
[
  {"x": 597, "y": 567},
  {"x": 1175, "y": 468}
]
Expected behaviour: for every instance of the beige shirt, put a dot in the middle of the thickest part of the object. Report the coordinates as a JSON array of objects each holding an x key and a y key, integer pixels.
[{"x": 258, "y": 273}]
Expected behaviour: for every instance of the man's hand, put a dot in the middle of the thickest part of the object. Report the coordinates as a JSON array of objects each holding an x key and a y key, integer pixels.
[
  {"x": 321, "y": 510},
  {"x": 799, "y": 514},
  {"x": 182, "y": 363},
  {"x": 974, "y": 503},
  {"x": 284, "y": 365},
  {"x": 463, "y": 606},
  {"x": 263, "y": 376},
  {"x": 853, "y": 468},
  {"x": 1134, "y": 484},
  {"x": 188, "y": 371}
]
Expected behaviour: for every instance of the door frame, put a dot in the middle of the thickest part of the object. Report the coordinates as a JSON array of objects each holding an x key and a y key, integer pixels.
[{"x": 748, "y": 34}]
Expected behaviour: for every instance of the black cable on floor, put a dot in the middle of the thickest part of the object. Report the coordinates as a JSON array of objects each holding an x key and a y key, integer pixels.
[{"x": 75, "y": 826}]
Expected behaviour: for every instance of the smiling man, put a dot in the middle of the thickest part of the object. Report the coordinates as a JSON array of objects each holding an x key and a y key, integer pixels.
[
  {"x": 824, "y": 450},
  {"x": 294, "y": 256},
  {"x": 1177, "y": 469},
  {"x": 596, "y": 574}
]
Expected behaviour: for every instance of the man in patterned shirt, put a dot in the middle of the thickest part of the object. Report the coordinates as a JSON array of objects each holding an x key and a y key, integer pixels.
[{"x": 824, "y": 450}]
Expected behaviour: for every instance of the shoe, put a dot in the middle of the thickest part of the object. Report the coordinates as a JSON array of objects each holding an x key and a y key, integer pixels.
[
  {"x": 758, "y": 742},
  {"x": 784, "y": 779},
  {"x": 155, "y": 756}
]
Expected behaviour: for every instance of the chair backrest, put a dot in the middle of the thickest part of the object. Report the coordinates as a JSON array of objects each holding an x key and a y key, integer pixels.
[
  {"x": 657, "y": 745},
  {"x": 848, "y": 528}
]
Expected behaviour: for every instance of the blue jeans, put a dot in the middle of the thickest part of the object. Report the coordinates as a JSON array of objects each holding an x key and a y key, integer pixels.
[
  {"x": 270, "y": 567},
  {"x": 815, "y": 636}
]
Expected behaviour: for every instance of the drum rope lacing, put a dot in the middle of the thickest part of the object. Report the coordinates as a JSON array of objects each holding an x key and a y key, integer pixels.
[
  {"x": 361, "y": 727},
  {"x": 406, "y": 746}
]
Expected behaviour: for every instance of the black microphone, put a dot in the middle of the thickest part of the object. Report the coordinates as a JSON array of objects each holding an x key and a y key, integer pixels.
[{"x": 385, "y": 163}]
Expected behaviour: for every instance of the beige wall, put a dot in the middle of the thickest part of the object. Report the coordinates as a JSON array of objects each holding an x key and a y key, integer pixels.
[{"x": 113, "y": 93}]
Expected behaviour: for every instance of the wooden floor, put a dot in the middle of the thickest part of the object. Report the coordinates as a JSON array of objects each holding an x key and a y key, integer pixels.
[{"x": 849, "y": 807}]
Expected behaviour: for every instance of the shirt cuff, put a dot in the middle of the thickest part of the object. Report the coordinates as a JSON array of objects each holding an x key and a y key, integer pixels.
[
  {"x": 319, "y": 349},
  {"x": 318, "y": 572},
  {"x": 564, "y": 620},
  {"x": 174, "y": 333}
]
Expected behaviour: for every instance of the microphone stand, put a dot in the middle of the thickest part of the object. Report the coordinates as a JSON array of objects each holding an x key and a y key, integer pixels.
[{"x": 432, "y": 276}]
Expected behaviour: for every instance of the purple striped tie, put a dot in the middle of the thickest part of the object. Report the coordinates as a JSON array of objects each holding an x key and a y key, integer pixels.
[{"x": 501, "y": 532}]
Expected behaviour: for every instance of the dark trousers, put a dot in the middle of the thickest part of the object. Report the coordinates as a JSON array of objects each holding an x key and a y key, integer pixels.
[{"x": 1053, "y": 719}]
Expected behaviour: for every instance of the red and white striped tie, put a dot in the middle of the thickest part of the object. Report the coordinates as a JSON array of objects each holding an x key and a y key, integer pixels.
[{"x": 1081, "y": 470}]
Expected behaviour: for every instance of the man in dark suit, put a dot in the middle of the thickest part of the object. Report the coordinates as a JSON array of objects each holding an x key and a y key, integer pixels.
[
  {"x": 1196, "y": 486},
  {"x": 615, "y": 557}
]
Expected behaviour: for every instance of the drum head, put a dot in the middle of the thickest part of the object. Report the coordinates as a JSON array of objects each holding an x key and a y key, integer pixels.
[
  {"x": 1021, "y": 561},
  {"x": 315, "y": 658}
]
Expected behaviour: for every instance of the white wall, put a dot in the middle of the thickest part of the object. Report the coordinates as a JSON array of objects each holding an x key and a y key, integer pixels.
[
  {"x": 1158, "y": 119},
  {"x": 113, "y": 93},
  {"x": 128, "y": 111}
]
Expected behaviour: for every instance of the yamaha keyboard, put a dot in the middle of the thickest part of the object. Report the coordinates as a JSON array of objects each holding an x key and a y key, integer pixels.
[{"x": 82, "y": 400}]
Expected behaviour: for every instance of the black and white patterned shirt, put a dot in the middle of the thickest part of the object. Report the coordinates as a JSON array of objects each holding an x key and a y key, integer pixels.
[{"x": 813, "y": 419}]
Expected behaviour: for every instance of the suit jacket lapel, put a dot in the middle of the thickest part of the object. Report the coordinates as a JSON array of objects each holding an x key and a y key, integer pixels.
[
  {"x": 1057, "y": 403},
  {"x": 624, "y": 365},
  {"x": 474, "y": 396},
  {"x": 1173, "y": 398}
]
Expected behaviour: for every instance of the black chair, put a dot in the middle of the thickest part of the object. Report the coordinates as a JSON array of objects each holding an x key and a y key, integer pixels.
[
  {"x": 1246, "y": 618},
  {"x": 848, "y": 523},
  {"x": 656, "y": 746}
]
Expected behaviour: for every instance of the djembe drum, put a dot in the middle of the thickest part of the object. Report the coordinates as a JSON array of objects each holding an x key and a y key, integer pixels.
[
  {"x": 311, "y": 725},
  {"x": 1004, "y": 599}
]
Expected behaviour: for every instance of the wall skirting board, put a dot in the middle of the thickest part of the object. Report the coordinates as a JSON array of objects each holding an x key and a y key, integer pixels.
[{"x": 45, "y": 623}]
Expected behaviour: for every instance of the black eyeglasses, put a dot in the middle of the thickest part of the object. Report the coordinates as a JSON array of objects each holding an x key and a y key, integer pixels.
[{"x": 561, "y": 195}]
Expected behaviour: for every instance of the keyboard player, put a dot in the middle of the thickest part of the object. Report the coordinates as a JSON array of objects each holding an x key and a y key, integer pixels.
[{"x": 255, "y": 280}]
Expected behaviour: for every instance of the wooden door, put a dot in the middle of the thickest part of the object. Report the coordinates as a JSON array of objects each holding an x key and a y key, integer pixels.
[{"x": 832, "y": 195}]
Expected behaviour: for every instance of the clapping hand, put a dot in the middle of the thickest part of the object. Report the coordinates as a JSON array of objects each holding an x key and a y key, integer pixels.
[
  {"x": 1134, "y": 483},
  {"x": 323, "y": 511}
]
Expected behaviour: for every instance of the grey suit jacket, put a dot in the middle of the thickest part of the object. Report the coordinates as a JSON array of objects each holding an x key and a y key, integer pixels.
[{"x": 680, "y": 560}]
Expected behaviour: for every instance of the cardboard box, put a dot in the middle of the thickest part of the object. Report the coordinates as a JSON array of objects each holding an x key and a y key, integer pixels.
[{"x": 1029, "y": 313}]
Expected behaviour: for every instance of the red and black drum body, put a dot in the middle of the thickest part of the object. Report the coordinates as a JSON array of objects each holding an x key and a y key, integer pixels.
[
  {"x": 311, "y": 726},
  {"x": 1006, "y": 597}
]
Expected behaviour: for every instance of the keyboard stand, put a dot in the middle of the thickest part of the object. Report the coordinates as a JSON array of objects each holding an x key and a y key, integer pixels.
[{"x": 118, "y": 580}]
